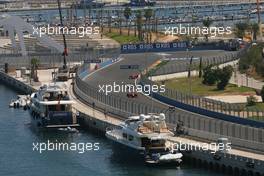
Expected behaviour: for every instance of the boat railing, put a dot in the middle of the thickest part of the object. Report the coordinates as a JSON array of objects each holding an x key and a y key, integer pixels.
[
  {"x": 117, "y": 134},
  {"x": 150, "y": 127},
  {"x": 108, "y": 129}
]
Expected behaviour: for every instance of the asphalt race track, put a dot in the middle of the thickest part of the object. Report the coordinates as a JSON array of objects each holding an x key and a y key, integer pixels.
[{"x": 113, "y": 73}]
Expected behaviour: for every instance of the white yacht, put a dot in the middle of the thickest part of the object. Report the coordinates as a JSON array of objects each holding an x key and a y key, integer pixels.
[
  {"x": 51, "y": 107},
  {"x": 146, "y": 134},
  {"x": 254, "y": 11}
]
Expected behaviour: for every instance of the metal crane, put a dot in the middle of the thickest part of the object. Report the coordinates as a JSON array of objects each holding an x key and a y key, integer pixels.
[{"x": 65, "y": 52}]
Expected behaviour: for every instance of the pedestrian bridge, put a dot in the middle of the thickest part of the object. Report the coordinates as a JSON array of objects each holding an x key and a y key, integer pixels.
[{"x": 17, "y": 27}]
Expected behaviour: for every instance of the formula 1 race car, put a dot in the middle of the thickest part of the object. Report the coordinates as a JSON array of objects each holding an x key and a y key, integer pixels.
[
  {"x": 132, "y": 95},
  {"x": 134, "y": 76}
]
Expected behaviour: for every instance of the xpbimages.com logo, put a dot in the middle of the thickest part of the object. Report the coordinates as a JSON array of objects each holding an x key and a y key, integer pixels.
[
  {"x": 213, "y": 31},
  {"x": 130, "y": 88},
  {"x": 80, "y": 147},
  {"x": 212, "y": 147},
  {"x": 81, "y": 31}
]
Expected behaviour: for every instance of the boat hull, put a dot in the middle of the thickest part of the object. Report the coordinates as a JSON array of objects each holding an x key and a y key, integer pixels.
[
  {"x": 170, "y": 163},
  {"x": 130, "y": 153},
  {"x": 65, "y": 120}
]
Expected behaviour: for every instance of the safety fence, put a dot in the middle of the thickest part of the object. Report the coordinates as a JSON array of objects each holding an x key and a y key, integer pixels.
[
  {"x": 208, "y": 106},
  {"x": 47, "y": 60},
  {"x": 176, "y": 67},
  {"x": 220, "y": 108},
  {"x": 240, "y": 135}
]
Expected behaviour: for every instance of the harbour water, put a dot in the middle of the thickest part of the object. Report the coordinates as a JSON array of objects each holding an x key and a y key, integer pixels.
[
  {"x": 186, "y": 13},
  {"x": 17, "y": 157}
]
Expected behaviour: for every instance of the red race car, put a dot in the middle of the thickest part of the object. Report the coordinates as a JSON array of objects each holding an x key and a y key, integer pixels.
[
  {"x": 134, "y": 76},
  {"x": 131, "y": 95}
]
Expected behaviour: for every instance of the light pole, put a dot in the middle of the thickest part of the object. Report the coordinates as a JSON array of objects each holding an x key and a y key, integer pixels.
[
  {"x": 189, "y": 75},
  {"x": 190, "y": 66},
  {"x": 259, "y": 20}
]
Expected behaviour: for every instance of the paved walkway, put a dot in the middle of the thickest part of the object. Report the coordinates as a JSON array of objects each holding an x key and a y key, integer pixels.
[{"x": 83, "y": 108}]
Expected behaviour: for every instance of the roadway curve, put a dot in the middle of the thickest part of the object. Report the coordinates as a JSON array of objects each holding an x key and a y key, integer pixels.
[{"x": 113, "y": 73}]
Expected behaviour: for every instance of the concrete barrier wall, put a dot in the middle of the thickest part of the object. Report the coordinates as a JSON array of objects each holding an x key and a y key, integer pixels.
[
  {"x": 16, "y": 84},
  {"x": 173, "y": 46},
  {"x": 211, "y": 129},
  {"x": 92, "y": 123},
  {"x": 206, "y": 112},
  {"x": 227, "y": 163}
]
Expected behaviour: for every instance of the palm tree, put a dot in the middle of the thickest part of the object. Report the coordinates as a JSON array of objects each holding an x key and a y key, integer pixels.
[
  {"x": 148, "y": 14},
  {"x": 207, "y": 23},
  {"x": 34, "y": 65},
  {"x": 119, "y": 22},
  {"x": 241, "y": 28},
  {"x": 254, "y": 30},
  {"x": 127, "y": 14},
  {"x": 139, "y": 25}
]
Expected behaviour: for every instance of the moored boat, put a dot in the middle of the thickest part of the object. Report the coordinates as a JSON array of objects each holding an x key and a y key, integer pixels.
[
  {"x": 148, "y": 135},
  {"x": 51, "y": 107}
]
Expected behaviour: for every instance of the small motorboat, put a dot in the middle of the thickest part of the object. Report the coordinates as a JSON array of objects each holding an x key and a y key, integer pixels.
[
  {"x": 164, "y": 159},
  {"x": 14, "y": 104},
  {"x": 69, "y": 130},
  {"x": 21, "y": 101}
]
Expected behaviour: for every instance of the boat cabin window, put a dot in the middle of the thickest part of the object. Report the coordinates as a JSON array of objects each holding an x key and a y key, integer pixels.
[
  {"x": 56, "y": 96},
  {"x": 145, "y": 142},
  {"x": 131, "y": 121},
  {"x": 125, "y": 135},
  {"x": 158, "y": 143},
  {"x": 130, "y": 138},
  {"x": 59, "y": 107}
]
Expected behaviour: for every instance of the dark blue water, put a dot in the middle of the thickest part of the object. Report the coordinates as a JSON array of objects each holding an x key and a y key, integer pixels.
[{"x": 17, "y": 157}]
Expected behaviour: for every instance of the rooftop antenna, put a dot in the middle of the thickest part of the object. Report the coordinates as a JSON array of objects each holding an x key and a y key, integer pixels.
[{"x": 65, "y": 52}]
